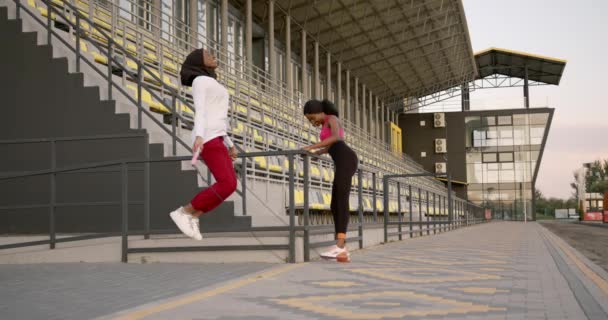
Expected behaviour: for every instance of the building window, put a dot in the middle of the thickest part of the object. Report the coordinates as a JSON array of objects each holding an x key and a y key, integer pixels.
[
  {"x": 505, "y": 157},
  {"x": 489, "y": 121},
  {"x": 489, "y": 157},
  {"x": 505, "y": 120}
]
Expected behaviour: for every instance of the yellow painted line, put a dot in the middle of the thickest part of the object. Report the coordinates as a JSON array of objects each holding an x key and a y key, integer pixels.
[
  {"x": 592, "y": 275},
  {"x": 337, "y": 284},
  {"x": 140, "y": 314}
]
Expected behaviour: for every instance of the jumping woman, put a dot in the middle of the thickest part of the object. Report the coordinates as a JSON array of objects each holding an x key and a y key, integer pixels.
[
  {"x": 324, "y": 114},
  {"x": 210, "y": 139}
]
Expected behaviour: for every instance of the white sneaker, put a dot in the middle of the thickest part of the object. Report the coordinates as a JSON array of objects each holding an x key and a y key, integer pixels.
[
  {"x": 334, "y": 251},
  {"x": 196, "y": 229},
  {"x": 183, "y": 221}
]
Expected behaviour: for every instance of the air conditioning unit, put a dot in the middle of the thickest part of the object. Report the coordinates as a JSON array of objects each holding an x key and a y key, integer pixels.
[
  {"x": 440, "y": 167},
  {"x": 441, "y": 146},
  {"x": 439, "y": 119}
]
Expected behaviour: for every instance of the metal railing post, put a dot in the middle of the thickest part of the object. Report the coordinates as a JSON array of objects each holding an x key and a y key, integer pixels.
[
  {"x": 360, "y": 193},
  {"x": 139, "y": 106},
  {"x": 18, "y": 9},
  {"x": 125, "y": 211},
  {"x": 434, "y": 213},
  {"x": 147, "y": 197},
  {"x": 173, "y": 125},
  {"x": 386, "y": 207},
  {"x": 292, "y": 212},
  {"x": 49, "y": 11},
  {"x": 420, "y": 211},
  {"x": 306, "y": 208},
  {"x": 399, "y": 212},
  {"x": 244, "y": 185},
  {"x": 450, "y": 209},
  {"x": 374, "y": 197},
  {"x": 78, "y": 45},
  {"x": 110, "y": 52},
  {"x": 411, "y": 206},
  {"x": 428, "y": 231},
  {"x": 52, "y": 227}
]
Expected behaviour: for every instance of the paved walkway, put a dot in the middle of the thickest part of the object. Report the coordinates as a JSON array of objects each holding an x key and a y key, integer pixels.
[{"x": 505, "y": 270}]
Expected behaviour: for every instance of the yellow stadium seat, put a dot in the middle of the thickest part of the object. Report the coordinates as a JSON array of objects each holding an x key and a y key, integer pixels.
[
  {"x": 146, "y": 98},
  {"x": 257, "y": 137},
  {"x": 316, "y": 201},
  {"x": 274, "y": 165},
  {"x": 44, "y": 12},
  {"x": 326, "y": 199},
  {"x": 239, "y": 129},
  {"x": 326, "y": 176},
  {"x": 170, "y": 66},
  {"x": 268, "y": 120},
  {"x": 149, "y": 45},
  {"x": 367, "y": 205},
  {"x": 299, "y": 197},
  {"x": 315, "y": 172},
  {"x": 254, "y": 102},
  {"x": 100, "y": 58},
  {"x": 261, "y": 162},
  {"x": 242, "y": 110},
  {"x": 150, "y": 57}
]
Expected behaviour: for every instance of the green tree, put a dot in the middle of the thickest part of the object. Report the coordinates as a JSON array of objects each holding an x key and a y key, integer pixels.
[{"x": 596, "y": 178}]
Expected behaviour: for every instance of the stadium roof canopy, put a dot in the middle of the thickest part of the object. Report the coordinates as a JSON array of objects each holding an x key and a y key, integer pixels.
[
  {"x": 397, "y": 48},
  {"x": 513, "y": 63}
]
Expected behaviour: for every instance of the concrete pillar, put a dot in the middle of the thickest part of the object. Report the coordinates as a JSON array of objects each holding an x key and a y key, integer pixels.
[
  {"x": 328, "y": 78},
  {"x": 315, "y": 72},
  {"x": 193, "y": 26},
  {"x": 271, "y": 51},
  {"x": 249, "y": 35},
  {"x": 347, "y": 100},
  {"x": 224, "y": 43},
  {"x": 356, "y": 106},
  {"x": 338, "y": 97},
  {"x": 371, "y": 126},
  {"x": 288, "y": 65},
  {"x": 382, "y": 122},
  {"x": 363, "y": 114},
  {"x": 156, "y": 13},
  {"x": 376, "y": 123},
  {"x": 304, "y": 69}
]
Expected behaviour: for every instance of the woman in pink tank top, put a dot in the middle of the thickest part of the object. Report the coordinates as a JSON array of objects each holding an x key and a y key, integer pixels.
[{"x": 324, "y": 114}]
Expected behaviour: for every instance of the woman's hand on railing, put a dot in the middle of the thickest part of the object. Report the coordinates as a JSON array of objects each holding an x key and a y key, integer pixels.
[{"x": 234, "y": 153}]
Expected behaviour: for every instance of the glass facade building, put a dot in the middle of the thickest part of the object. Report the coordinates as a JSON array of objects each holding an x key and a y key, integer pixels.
[{"x": 502, "y": 156}]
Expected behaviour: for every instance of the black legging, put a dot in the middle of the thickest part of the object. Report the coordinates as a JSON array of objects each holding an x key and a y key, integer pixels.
[{"x": 345, "y": 162}]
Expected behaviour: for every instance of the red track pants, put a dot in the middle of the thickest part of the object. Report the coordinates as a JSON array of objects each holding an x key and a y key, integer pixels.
[{"x": 218, "y": 161}]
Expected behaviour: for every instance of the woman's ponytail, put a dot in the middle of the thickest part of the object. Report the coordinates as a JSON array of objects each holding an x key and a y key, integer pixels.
[{"x": 329, "y": 108}]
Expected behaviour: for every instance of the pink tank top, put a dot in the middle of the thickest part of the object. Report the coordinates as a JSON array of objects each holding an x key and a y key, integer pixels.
[{"x": 326, "y": 131}]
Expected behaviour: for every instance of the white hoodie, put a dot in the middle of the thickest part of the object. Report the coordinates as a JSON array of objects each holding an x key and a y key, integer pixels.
[{"x": 211, "y": 103}]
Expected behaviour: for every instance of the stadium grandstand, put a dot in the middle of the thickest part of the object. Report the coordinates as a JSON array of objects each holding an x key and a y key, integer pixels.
[{"x": 93, "y": 88}]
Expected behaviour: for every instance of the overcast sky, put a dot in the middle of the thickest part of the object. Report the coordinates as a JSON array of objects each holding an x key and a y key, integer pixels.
[{"x": 575, "y": 31}]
